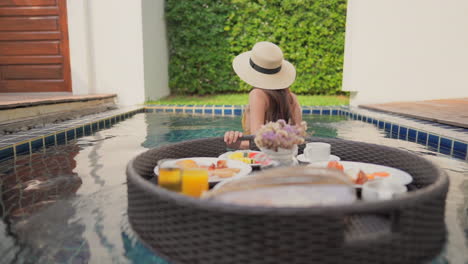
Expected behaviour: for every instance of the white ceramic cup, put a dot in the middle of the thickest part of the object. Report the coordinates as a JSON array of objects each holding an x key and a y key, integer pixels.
[
  {"x": 317, "y": 151},
  {"x": 382, "y": 189}
]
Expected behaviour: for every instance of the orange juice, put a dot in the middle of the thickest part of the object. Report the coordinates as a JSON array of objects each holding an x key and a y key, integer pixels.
[
  {"x": 170, "y": 178},
  {"x": 194, "y": 181}
]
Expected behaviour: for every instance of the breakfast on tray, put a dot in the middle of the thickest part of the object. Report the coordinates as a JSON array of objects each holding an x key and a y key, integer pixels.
[
  {"x": 358, "y": 176},
  {"x": 248, "y": 156},
  {"x": 219, "y": 168},
  {"x": 287, "y": 187}
]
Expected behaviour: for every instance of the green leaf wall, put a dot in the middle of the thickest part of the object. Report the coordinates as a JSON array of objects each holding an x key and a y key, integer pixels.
[{"x": 205, "y": 35}]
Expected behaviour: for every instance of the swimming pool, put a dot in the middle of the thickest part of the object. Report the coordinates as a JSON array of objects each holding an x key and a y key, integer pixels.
[{"x": 67, "y": 204}]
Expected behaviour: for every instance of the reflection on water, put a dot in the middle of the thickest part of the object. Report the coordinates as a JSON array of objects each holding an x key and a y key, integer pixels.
[{"x": 68, "y": 204}]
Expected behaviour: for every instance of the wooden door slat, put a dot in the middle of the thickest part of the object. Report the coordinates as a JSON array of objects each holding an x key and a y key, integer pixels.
[
  {"x": 30, "y": 72},
  {"x": 30, "y": 35},
  {"x": 29, "y": 11},
  {"x": 13, "y": 60},
  {"x": 28, "y": 2},
  {"x": 29, "y": 23},
  {"x": 24, "y": 86},
  {"x": 29, "y": 48}
]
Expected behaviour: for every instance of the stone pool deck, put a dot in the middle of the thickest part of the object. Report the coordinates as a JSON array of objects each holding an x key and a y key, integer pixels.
[
  {"x": 15, "y": 100},
  {"x": 452, "y": 112}
]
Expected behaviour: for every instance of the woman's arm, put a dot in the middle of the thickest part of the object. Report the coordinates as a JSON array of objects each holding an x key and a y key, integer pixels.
[
  {"x": 296, "y": 110},
  {"x": 258, "y": 103}
]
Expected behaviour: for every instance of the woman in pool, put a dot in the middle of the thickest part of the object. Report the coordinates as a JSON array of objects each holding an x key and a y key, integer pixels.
[{"x": 270, "y": 99}]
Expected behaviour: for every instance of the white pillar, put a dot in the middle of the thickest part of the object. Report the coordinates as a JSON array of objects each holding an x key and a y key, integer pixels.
[
  {"x": 106, "y": 47},
  {"x": 400, "y": 50}
]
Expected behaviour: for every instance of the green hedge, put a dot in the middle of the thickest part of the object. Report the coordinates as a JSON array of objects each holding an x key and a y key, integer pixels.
[{"x": 205, "y": 35}]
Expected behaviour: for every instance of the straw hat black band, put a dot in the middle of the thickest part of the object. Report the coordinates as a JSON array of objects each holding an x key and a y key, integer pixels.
[{"x": 264, "y": 70}]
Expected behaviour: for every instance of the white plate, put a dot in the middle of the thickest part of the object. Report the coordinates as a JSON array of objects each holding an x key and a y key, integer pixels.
[
  {"x": 226, "y": 156},
  {"x": 302, "y": 158},
  {"x": 397, "y": 175},
  {"x": 244, "y": 168}
]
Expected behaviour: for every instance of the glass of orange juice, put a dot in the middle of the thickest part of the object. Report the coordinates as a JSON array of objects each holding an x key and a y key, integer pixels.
[
  {"x": 194, "y": 181},
  {"x": 170, "y": 175}
]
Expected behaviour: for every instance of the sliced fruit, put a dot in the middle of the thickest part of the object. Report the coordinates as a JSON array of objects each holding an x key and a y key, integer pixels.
[
  {"x": 335, "y": 165},
  {"x": 362, "y": 178},
  {"x": 252, "y": 154}
]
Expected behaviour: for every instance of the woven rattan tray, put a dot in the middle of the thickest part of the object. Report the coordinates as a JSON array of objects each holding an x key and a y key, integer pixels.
[{"x": 408, "y": 229}]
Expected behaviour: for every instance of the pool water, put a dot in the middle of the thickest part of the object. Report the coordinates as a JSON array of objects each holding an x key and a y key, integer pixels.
[{"x": 67, "y": 204}]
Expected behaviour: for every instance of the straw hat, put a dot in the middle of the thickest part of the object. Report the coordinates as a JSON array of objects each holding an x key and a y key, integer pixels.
[{"x": 264, "y": 67}]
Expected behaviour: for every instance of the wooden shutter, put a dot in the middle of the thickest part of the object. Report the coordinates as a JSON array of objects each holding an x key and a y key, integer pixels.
[{"x": 34, "y": 53}]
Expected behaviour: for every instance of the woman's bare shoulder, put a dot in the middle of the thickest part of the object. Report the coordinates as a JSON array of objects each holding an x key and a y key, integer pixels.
[{"x": 257, "y": 95}]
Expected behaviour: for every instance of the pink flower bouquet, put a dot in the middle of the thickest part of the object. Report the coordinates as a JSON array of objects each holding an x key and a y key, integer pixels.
[{"x": 275, "y": 135}]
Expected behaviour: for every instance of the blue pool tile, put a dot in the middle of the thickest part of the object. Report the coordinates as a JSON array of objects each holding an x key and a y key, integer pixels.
[
  {"x": 381, "y": 124},
  {"x": 395, "y": 131},
  {"x": 422, "y": 137},
  {"x": 6, "y": 153},
  {"x": 364, "y": 118},
  {"x": 227, "y": 105},
  {"x": 334, "y": 112},
  {"x": 199, "y": 111},
  {"x": 188, "y": 111},
  {"x": 209, "y": 105},
  {"x": 237, "y": 112},
  {"x": 445, "y": 146},
  {"x": 179, "y": 110},
  {"x": 388, "y": 127},
  {"x": 159, "y": 110},
  {"x": 71, "y": 134},
  {"x": 208, "y": 111},
  {"x": 375, "y": 121},
  {"x": 411, "y": 135},
  {"x": 149, "y": 110},
  {"x": 460, "y": 150},
  {"x": 227, "y": 111},
  {"x": 117, "y": 118},
  {"x": 108, "y": 124},
  {"x": 50, "y": 140},
  {"x": 101, "y": 125},
  {"x": 61, "y": 138},
  {"x": 403, "y": 133},
  {"x": 325, "y": 112},
  {"x": 87, "y": 128},
  {"x": 37, "y": 144},
  {"x": 433, "y": 141},
  {"x": 79, "y": 132},
  {"x": 305, "y": 111},
  {"x": 218, "y": 112},
  {"x": 218, "y": 106},
  {"x": 169, "y": 110},
  {"x": 316, "y": 111},
  {"x": 22, "y": 148},
  {"x": 94, "y": 126}
]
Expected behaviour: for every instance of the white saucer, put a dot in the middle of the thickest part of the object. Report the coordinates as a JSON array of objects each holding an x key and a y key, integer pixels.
[{"x": 302, "y": 158}]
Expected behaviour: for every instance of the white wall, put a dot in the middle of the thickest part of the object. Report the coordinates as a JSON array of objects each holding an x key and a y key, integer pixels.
[
  {"x": 406, "y": 50},
  {"x": 155, "y": 50},
  {"x": 107, "y": 52}
]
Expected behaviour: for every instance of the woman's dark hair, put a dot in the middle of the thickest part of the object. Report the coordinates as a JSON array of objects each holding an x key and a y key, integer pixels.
[{"x": 279, "y": 107}]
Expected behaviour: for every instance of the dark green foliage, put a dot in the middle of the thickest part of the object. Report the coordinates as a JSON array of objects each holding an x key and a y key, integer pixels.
[{"x": 205, "y": 35}]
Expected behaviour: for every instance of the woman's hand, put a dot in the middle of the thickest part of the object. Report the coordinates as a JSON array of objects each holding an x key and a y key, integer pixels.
[{"x": 231, "y": 139}]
